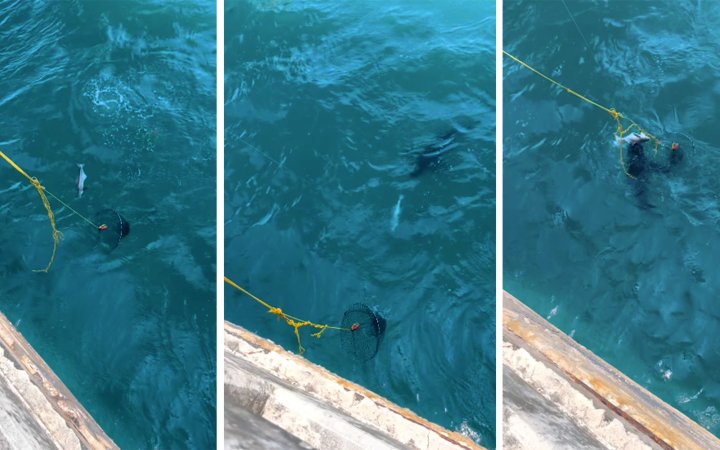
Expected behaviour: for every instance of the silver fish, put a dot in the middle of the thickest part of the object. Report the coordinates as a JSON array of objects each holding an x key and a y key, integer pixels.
[
  {"x": 636, "y": 138},
  {"x": 81, "y": 180},
  {"x": 395, "y": 218}
]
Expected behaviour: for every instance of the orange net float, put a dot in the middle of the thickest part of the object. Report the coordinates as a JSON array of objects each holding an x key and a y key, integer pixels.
[{"x": 112, "y": 228}]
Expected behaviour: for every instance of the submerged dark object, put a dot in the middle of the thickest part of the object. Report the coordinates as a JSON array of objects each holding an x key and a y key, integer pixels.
[
  {"x": 640, "y": 167},
  {"x": 638, "y": 164},
  {"x": 111, "y": 228},
  {"x": 367, "y": 329},
  {"x": 636, "y": 159},
  {"x": 431, "y": 156},
  {"x": 637, "y": 168}
]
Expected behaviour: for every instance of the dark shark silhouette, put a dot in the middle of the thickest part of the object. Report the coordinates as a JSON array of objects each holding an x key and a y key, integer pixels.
[
  {"x": 640, "y": 167},
  {"x": 431, "y": 156}
]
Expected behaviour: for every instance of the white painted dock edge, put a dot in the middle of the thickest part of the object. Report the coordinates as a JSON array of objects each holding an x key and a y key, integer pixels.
[
  {"x": 37, "y": 411},
  {"x": 560, "y": 395},
  {"x": 317, "y": 407}
]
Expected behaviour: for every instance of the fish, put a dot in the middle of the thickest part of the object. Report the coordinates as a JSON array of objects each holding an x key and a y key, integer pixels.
[
  {"x": 431, "y": 155},
  {"x": 81, "y": 180},
  {"x": 635, "y": 138},
  {"x": 395, "y": 219}
]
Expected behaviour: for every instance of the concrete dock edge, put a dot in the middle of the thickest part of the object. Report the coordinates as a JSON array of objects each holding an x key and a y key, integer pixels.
[
  {"x": 316, "y": 406},
  {"x": 36, "y": 409},
  {"x": 569, "y": 391}
]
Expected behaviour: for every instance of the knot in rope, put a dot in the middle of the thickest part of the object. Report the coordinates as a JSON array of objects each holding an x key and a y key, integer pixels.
[{"x": 293, "y": 321}]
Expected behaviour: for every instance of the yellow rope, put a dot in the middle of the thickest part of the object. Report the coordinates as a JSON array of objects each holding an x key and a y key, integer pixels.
[
  {"x": 613, "y": 113},
  {"x": 42, "y": 191},
  {"x": 70, "y": 208},
  {"x": 290, "y": 320},
  {"x": 55, "y": 233}
]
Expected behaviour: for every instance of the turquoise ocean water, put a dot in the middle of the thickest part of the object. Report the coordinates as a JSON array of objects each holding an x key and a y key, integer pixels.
[
  {"x": 328, "y": 105},
  {"x": 128, "y": 89},
  {"x": 627, "y": 267}
]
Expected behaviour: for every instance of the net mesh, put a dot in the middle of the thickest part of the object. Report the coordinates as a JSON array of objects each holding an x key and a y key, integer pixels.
[
  {"x": 366, "y": 332},
  {"x": 111, "y": 228}
]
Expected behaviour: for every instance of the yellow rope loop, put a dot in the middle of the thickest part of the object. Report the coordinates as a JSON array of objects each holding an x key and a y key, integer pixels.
[
  {"x": 621, "y": 133},
  {"x": 296, "y": 326},
  {"x": 55, "y": 233},
  {"x": 277, "y": 311},
  {"x": 622, "y": 161},
  {"x": 319, "y": 333},
  {"x": 301, "y": 349}
]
